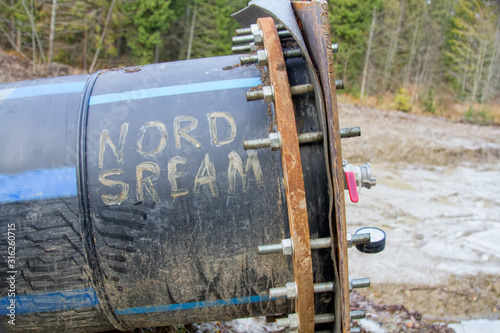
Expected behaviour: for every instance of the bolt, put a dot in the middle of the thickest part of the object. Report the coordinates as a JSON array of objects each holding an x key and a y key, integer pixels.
[
  {"x": 245, "y": 48},
  {"x": 294, "y": 91},
  {"x": 361, "y": 239},
  {"x": 265, "y": 143},
  {"x": 284, "y": 34},
  {"x": 324, "y": 287},
  {"x": 324, "y": 318},
  {"x": 257, "y": 37},
  {"x": 247, "y": 31},
  {"x": 357, "y": 239},
  {"x": 359, "y": 283},
  {"x": 290, "y": 289},
  {"x": 335, "y": 48},
  {"x": 277, "y": 292},
  {"x": 358, "y": 314},
  {"x": 301, "y": 89},
  {"x": 350, "y": 132},
  {"x": 268, "y": 249},
  {"x": 255, "y": 144},
  {"x": 321, "y": 243},
  {"x": 295, "y": 53},
  {"x": 339, "y": 84}
]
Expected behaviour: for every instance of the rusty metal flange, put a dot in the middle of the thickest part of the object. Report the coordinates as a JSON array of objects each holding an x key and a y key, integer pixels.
[
  {"x": 293, "y": 176},
  {"x": 313, "y": 18}
]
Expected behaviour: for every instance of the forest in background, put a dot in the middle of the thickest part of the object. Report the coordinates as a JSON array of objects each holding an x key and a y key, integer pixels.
[{"x": 411, "y": 55}]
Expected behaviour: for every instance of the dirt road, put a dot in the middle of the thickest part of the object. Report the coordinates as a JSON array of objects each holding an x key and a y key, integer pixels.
[{"x": 438, "y": 200}]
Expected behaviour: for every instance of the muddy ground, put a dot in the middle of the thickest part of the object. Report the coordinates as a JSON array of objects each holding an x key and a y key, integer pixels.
[{"x": 438, "y": 200}]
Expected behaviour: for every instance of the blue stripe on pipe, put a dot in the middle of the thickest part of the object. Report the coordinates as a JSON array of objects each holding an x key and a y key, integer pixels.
[
  {"x": 81, "y": 298},
  {"x": 56, "y": 301},
  {"x": 194, "y": 305},
  {"x": 175, "y": 90},
  {"x": 41, "y": 90},
  {"x": 38, "y": 185}
]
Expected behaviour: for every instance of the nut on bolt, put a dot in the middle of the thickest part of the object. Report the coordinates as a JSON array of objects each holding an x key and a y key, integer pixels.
[
  {"x": 275, "y": 143},
  {"x": 292, "y": 322},
  {"x": 291, "y": 290},
  {"x": 262, "y": 57},
  {"x": 268, "y": 92},
  {"x": 287, "y": 242},
  {"x": 335, "y": 48},
  {"x": 258, "y": 36}
]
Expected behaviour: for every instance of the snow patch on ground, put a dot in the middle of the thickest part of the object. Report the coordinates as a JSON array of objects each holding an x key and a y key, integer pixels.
[{"x": 477, "y": 326}]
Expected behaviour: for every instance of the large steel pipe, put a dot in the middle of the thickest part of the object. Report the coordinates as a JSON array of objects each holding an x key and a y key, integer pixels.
[{"x": 131, "y": 202}]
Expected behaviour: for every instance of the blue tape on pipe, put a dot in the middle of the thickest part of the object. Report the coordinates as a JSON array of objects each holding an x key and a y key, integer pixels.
[
  {"x": 55, "y": 301},
  {"x": 175, "y": 90},
  {"x": 81, "y": 298},
  {"x": 194, "y": 305},
  {"x": 38, "y": 185},
  {"x": 41, "y": 90}
]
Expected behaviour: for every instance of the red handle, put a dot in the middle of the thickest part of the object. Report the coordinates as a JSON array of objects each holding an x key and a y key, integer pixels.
[{"x": 351, "y": 186}]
